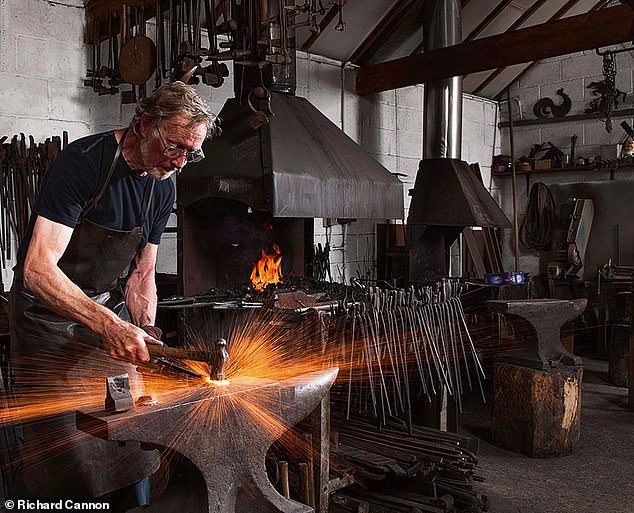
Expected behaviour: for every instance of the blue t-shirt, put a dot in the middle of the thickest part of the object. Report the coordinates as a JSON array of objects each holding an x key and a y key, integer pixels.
[{"x": 73, "y": 180}]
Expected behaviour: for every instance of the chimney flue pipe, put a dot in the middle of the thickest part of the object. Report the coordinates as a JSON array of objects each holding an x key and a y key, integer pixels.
[{"x": 442, "y": 112}]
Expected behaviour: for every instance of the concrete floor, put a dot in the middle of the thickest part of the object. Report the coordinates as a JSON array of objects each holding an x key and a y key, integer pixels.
[{"x": 597, "y": 478}]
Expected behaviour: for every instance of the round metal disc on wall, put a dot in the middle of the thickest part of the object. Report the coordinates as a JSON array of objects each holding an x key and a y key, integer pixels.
[{"x": 137, "y": 60}]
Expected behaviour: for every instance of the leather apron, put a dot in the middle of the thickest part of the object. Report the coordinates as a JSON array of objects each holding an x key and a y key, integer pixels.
[{"x": 58, "y": 460}]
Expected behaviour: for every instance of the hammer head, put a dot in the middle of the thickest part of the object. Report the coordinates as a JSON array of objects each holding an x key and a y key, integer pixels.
[{"x": 218, "y": 358}]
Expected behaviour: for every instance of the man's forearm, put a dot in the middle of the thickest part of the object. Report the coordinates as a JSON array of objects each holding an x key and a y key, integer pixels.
[
  {"x": 51, "y": 286},
  {"x": 141, "y": 298},
  {"x": 44, "y": 278}
]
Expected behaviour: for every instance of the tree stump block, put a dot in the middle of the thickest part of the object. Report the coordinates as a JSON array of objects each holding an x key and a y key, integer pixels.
[
  {"x": 630, "y": 379},
  {"x": 619, "y": 355},
  {"x": 537, "y": 412}
]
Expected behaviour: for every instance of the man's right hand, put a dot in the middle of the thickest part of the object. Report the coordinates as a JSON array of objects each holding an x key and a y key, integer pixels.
[{"x": 127, "y": 342}]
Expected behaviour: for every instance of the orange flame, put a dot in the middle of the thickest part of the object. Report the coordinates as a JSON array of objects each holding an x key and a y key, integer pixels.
[{"x": 268, "y": 269}]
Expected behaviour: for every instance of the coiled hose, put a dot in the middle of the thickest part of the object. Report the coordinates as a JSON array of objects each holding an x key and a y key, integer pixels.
[{"x": 538, "y": 225}]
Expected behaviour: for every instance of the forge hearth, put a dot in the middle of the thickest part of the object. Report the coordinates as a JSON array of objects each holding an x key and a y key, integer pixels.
[
  {"x": 220, "y": 240},
  {"x": 291, "y": 305}
]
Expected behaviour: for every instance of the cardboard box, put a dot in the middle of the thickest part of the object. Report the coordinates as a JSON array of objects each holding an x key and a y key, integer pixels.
[{"x": 542, "y": 164}]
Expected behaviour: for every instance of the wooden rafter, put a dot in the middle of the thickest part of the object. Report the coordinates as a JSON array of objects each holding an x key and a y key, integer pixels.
[
  {"x": 323, "y": 24},
  {"x": 488, "y": 19},
  {"x": 568, "y": 35},
  {"x": 381, "y": 32},
  {"x": 564, "y": 9},
  {"x": 600, "y": 5},
  {"x": 517, "y": 24}
]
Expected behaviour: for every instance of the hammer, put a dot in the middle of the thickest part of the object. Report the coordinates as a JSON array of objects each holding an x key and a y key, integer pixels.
[{"x": 217, "y": 357}]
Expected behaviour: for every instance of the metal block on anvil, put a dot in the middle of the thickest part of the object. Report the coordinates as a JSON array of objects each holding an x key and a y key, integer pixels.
[
  {"x": 547, "y": 316},
  {"x": 118, "y": 395},
  {"x": 229, "y": 449}
]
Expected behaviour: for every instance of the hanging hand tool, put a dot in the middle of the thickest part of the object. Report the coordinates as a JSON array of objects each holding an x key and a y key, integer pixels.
[
  {"x": 341, "y": 25},
  {"x": 211, "y": 28},
  {"x": 116, "y": 79},
  {"x": 130, "y": 95},
  {"x": 92, "y": 73},
  {"x": 137, "y": 61},
  {"x": 189, "y": 22},
  {"x": 109, "y": 71},
  {"x": 158, "y": 76},
  {"x": 196, "y": 24},
  {"x": 3, "y": 203},
  {"x": 173, "y": 39}
]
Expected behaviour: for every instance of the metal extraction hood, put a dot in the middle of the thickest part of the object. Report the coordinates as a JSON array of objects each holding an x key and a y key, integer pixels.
[
  {"x": 299, "y": 164},
  {"x": 448, "y": 193}
]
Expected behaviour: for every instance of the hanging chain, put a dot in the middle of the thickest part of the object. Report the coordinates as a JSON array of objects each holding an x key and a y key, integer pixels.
[{"x": 609, "y": 95}]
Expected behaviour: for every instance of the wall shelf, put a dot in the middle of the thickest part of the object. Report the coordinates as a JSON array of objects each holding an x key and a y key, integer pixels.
[
  {"x": 592, "y": 168},
  {"x": 621, "y": 113}
]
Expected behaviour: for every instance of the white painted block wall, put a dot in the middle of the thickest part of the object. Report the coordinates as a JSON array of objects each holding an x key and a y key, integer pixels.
[
  {"x": 573, "y": 73},
  {"x": 43, "y": 62}
]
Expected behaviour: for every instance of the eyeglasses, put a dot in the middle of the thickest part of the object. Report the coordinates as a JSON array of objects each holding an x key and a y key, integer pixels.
[{"x": 171, "y": 151}]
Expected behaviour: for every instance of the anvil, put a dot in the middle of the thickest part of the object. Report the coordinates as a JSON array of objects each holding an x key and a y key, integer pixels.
[
  {"x": 221, "y": 431},
  {"x": 547, "y": 316}
]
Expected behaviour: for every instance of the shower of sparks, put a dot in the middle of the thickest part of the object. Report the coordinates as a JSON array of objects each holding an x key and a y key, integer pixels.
[{"x": 379, "y": 353}]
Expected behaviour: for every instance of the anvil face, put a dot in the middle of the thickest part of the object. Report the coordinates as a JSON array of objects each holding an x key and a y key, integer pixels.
[
  {"x": 224, "y": 431},
  {"x": 547, "y": 316}
]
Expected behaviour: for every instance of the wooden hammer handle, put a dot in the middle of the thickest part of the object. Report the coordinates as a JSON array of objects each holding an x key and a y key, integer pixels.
[{"x": 177, "y": 353}]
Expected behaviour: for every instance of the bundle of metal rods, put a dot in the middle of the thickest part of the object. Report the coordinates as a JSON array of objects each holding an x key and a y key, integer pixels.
[
  {"x": 21, "y": 168},
  {"x": 428, "y": 469},
  {"x": 392, "y": 338}
]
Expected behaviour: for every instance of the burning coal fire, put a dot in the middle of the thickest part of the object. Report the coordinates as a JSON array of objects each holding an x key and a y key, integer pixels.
[{"x": 268, "y": 269}]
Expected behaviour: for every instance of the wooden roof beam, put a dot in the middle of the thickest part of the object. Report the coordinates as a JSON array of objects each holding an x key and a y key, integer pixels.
[
  {"x": 608, "y": 27},
  {"x": 569, "y": 5},
  {"x": 599, "y": 5}
]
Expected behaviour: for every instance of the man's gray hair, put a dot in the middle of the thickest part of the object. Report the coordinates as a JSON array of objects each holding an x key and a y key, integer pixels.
[{"x": 174, "y": 99}]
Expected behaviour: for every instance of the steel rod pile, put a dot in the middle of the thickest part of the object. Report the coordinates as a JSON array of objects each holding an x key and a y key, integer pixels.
[
  {"x": 389, "y": 339},
  {"x": 21, "y": 168},
  {"x": 431, "y": 470}
]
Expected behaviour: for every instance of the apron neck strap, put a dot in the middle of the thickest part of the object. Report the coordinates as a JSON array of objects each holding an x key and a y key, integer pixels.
[
  {"x": 106, "y": 182},
  {"x": 149, "y": 201}
]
